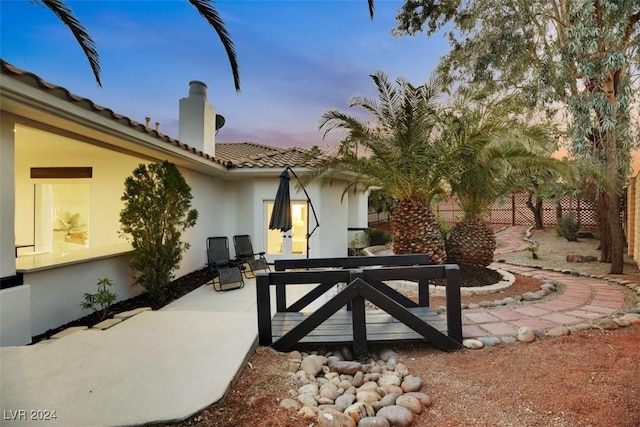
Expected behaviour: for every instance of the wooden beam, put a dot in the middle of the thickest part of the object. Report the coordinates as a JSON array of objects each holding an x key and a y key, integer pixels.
[{"x": 62, "y": 172}]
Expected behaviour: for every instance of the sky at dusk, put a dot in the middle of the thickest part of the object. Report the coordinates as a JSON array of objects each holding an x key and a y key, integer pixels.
[{"x": 297, "y": 59}]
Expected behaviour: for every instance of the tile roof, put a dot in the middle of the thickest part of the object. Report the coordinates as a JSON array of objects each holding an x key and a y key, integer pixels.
[
  {"x": 229, "y": 155},
  {"x": 252, "y": 155}
]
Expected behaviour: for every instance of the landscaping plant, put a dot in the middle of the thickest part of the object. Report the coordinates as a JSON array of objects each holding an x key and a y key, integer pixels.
[
  {"x": 101, "y": 301},
  {"x": 156, "y": 212},
  {"x": 568, "y": 227},
  {"x": 398, "y": 152}
]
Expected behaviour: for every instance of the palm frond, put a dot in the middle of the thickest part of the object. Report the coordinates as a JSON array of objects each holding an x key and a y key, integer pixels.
[
  {"x": 66, "y": 15},
  {"x": 208, "y": 12}
]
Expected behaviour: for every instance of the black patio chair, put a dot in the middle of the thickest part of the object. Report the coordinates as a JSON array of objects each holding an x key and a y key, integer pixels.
[
  {"x": 245, "y": 255},
  {"x": 228, "y": 275}
]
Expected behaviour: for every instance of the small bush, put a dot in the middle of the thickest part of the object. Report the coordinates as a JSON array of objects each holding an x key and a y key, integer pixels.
[
  {"x": 568, "y": 226},
  {"x": 377, "y": 237},
  {"x": 100, "y": 301}
]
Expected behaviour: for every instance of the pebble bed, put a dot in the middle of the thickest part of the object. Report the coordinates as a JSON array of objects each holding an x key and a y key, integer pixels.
[{"x": 334, "y": 391}]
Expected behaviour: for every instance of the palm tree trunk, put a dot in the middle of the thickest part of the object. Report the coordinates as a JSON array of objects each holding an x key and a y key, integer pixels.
[{"x": 416, "y": 231}]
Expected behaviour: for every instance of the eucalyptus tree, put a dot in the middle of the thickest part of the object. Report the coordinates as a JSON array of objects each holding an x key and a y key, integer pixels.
[
  {"x": 204, "y": 7},
  {"x": 399, "y": 152},
  {"x": 574, "y": 56},
  {"x": 500, "y": 147}
]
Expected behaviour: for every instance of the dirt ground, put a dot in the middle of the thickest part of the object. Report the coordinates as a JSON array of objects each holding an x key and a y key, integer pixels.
[{"x": 589, "y": 378}]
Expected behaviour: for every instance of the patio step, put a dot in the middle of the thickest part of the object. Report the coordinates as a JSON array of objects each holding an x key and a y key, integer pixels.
[
  {"x": 106, "y": 324},
  {"x": 129, "y": 314}
]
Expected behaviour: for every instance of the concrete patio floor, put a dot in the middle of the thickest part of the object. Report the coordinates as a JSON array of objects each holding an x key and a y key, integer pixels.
[{"x": 154, "y": 367}]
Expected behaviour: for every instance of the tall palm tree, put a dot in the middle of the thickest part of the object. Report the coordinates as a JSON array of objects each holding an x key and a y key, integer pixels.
[
  {"x": 204, "y": 7},
  {"x": 400, "y": 153},
  {"x": 498, "y": 150}
]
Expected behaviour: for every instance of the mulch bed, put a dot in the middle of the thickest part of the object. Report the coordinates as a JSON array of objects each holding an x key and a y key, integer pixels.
[{"x": 175, "y": 290}]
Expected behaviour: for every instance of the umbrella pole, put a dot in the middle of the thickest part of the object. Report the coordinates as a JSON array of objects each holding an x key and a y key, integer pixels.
[{"x": 310, "y": 206}]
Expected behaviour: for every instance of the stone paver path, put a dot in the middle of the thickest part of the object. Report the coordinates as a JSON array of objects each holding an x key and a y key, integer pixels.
[{"x": 583, "y": 299}]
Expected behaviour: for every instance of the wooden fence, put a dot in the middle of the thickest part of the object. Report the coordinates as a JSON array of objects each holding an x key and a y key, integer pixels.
[{"x": 513, "y": 210}]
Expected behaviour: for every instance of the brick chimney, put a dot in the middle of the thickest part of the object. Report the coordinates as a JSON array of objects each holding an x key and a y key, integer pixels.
[{"x": 197, "y": 126}]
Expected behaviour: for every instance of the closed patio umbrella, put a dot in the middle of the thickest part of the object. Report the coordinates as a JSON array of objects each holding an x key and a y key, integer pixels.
[{"x": 281, "y": 215}]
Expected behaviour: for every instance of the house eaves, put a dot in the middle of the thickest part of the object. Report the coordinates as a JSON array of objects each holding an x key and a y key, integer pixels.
[
  {"x": 34, "y": 102},
  {"x": 40, "y": 104}
]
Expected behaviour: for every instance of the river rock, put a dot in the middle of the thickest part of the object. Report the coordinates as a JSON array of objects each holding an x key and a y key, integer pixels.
[
  {"x": 389, "y": 378},
  {"x": 411, "y": 383},
  {"x": 360, "y": 410},
  {"x": 422, "y": 397},
  {"x": 367, "y": 396},
  {"x": 526, "y": 334},
  {"x": 311, "y": 389},
  {"x": 508, "y": 340},
  {"x": 290, "y": 404},
  {"x": 472, "y": 343},
  {"x": 368, "y": 386},
  {"x": 397, "y": 416},
  {"x": 329, "y": 391},
  {"x": 607, "y": 324},
  {"x": 345, "y": 401},
  {"x": 388, "y": 400},
  {"x": 307, "y": 412},
  {"x": 387, "y": 354},
  {"x": 410, "y": 402},
  {"x": 332, "y": 418},
  {"x": 390, "y": 388},
  {"x": 548, "y": 286},
  {"x": 622, "y": 322},
  {"x": 358, "y": 379},
  {"x": 307, "y": 400},
  {"x": 374, "y": 422},
  {"x": 401, "y": 369},
  {"x": 530, "y": 296},
  {"x": 489, "y": 341},
  {"x": 632, "y": 318},
  {"x": 344, "y": 367},
  {"x": 558, "y": 331},
  {"x": 312, "y": 365}
]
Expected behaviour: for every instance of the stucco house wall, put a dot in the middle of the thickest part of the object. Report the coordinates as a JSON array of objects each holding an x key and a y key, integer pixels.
[{"x": 43, "y": 125}]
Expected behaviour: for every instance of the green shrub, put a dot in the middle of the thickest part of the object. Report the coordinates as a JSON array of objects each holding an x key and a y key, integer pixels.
[
  {"x": 100, "y": 301},
  {"x": 377, "y": 237},
  {"x": 568, "y": 226},
  {"x": 156, "y": 212}
]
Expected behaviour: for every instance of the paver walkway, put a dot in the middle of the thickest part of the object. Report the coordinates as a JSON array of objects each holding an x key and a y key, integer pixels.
[{"x": 583, "y": 299}]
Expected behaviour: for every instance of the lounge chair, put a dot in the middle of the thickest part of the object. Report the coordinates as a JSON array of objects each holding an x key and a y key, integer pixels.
[
  {"x": 246, "y": 255},
  {"x": 227, "y": 274}
]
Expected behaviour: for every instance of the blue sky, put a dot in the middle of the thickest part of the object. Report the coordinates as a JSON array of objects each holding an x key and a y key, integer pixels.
[{"x": 297, "y": 59}]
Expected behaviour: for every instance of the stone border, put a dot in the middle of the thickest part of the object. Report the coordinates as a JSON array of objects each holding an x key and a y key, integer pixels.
[{"x": 507, "y": 279}]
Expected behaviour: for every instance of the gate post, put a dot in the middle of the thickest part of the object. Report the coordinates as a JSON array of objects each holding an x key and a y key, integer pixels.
[
  {"x": 265, "y": 335},
  {"x": 358, "y": 320}
]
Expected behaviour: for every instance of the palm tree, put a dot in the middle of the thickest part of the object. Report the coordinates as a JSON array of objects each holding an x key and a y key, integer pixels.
[
  {"x": 204, "y": 7},
  {"x": 498, "y": 151},
  {"x": 400, "y": 153}
]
